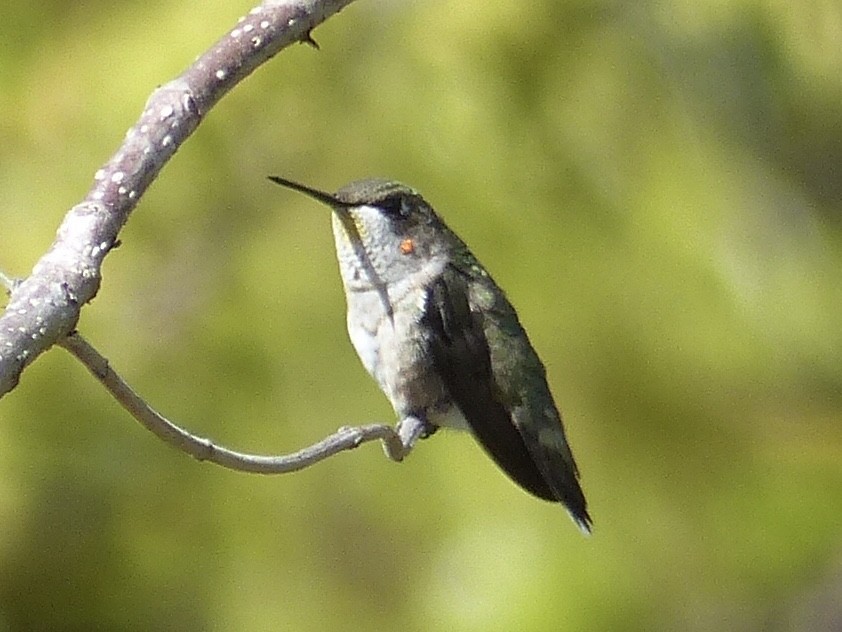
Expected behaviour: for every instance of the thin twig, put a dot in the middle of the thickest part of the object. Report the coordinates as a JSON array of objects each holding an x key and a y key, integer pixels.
[
  {"x": 45, "y": 307},
  {"x": 397, "y": 443}
]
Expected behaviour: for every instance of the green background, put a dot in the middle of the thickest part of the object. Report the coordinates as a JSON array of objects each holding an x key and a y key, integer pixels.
[{"x": 657, "y": 185}]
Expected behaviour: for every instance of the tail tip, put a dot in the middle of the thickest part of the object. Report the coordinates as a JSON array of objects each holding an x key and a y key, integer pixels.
[{"x": 582, "y": 520}]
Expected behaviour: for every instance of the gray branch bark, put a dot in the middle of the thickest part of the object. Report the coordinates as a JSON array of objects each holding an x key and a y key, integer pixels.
[
  {"x": 397, "y": 442},
  {"x": 45, "y": 307}
]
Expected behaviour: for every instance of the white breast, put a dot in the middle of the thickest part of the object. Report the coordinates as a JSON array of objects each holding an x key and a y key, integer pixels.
[
  {"x": 386, "y": 293},
  {"x": 386, "y": 332}
]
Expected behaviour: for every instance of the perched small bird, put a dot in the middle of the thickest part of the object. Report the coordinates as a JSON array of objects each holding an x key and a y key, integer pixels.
[{"x": 440, "y": 338}]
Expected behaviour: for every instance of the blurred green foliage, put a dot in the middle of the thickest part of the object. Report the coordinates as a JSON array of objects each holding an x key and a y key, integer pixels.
[{"x": 658, "y": 186}]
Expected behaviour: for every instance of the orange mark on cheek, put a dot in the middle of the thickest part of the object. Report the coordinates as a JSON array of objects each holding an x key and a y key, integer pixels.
[{"x": 407, "y": 247}]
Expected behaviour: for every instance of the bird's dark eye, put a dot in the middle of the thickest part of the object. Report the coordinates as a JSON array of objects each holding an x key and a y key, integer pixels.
[{"x": 395, "y": 206}]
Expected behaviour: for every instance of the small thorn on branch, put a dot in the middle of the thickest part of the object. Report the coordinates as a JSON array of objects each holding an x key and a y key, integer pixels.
[
  {"x": 307, "y": 38},
  {"x": 8, "y": 283}
]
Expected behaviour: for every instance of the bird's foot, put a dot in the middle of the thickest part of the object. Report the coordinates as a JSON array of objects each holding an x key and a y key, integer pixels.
[
  {"x": 407, "y": 433},
  {"x": 428, "y": 430},
  {"x": 410, "y": 429}
]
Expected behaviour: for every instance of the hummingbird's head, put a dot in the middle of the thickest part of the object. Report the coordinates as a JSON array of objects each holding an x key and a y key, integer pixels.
[{"x": 382, "y": 227}]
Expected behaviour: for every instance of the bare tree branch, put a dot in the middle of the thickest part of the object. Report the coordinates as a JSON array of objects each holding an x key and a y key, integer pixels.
[
  {"x": 397, "y": 443},
  {"x": 45, "y": 307}
]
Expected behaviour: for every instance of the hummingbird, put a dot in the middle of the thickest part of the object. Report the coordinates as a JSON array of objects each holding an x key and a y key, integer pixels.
[{"x": 441, "y": 339}]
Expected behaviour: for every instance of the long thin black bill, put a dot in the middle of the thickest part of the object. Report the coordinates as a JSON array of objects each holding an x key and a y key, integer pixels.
[{"x": 321, "y": 196}]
